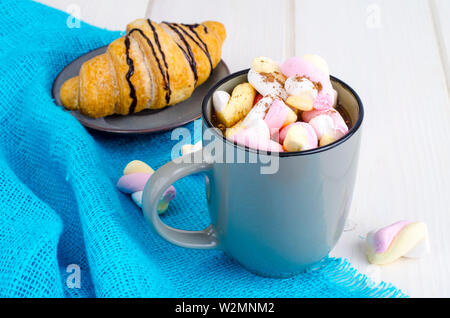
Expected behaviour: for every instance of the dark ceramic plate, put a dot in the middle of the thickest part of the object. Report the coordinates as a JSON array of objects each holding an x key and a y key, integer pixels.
[{"x": 147, "y": 121}]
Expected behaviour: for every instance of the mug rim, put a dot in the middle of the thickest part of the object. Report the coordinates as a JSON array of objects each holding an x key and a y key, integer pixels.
[{"x": 332, "y": 145}]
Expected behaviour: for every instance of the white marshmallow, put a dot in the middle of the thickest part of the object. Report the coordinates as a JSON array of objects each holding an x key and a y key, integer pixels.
[
  {"x": 260, "y": 127},
  {"x": 220, "y": 100},
  {"x": 137, "y": 198},
  {"x": 258, "y": 111},
  {"x": 295, "y": 87},
  {"x": 323, "y": 125},
  {"x": 265, "y": 87}
]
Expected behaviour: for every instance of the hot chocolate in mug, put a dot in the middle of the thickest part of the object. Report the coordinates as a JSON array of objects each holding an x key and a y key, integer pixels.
[{"x": 277, "y": 214}]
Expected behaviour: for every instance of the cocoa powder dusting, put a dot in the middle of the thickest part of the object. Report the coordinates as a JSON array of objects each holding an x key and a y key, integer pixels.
[
  {"x": 270, "y": 78},
  {"x": 317, "y": 85}
]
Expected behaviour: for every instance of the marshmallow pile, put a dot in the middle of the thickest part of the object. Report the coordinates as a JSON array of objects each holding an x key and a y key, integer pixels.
[
  {"x": 135, "y": 176},
  {"x": 401, "y": 239},
  {"x": 287, "y": 107}
]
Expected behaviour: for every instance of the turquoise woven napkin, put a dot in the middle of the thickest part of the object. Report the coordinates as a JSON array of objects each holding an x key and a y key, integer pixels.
[{"x": 60, "y": 210}]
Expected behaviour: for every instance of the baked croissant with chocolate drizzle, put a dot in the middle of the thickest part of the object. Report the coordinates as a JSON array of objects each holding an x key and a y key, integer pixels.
[{"x": 152, "y": 66}]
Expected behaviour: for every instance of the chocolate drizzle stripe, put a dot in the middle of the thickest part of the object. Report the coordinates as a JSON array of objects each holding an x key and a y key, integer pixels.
[
  {"x": 189, "y": 55},
  {"x": 196, "y": 25},
  {"x": 129, "y": 74},
  {"x": 192, "y": 28},
  {"x": 150, "y": 44},
  {"x": 202, "y": 46},
  {"x": 166, "y": 76}
]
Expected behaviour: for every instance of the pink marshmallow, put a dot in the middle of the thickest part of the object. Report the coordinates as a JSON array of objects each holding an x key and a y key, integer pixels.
[
  {"x": 307, "y": 116},
  {"x": 135, "y": 182},
  {"x": 249, "y": 138},
  {"x": 276, "y": 116},
  {"x": 324, "y": 100},
  {"x": 272, "y": 146},
  {"x": 169, "y": 194},
  {"x": 296, "y": 66},
  {"x": 310, "y": 134},
  {"x": 339, "y": 123},
  {"x": 384, "y": 237}
]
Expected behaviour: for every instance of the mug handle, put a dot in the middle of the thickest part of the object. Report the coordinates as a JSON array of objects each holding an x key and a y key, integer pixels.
[{"x": 163, "y": 178}]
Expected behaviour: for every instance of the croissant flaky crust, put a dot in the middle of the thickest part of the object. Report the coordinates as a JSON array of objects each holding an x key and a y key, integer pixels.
[{"x": 154, "y": 65}]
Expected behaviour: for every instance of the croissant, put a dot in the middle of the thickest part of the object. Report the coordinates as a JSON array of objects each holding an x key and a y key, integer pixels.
[{"x": 152, "y": 66}]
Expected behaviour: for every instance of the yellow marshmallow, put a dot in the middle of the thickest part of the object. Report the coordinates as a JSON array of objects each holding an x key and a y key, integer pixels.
[
  {"x": 265, "y": 65},
  {"x": 238, "y": 106},
  {"x": 137, "y": 166},
  {"x": 326, "y": 139},
  {"x": 296, "y": 138},
  {"x": 162, "y": 206},
  {"x": 290, "y": 118},
  {"x": 408, "y": 238},
  {"x": 318, "y": 61},
  {"x": 302, "y": 102},
  {"x": 230, "y": 132}
]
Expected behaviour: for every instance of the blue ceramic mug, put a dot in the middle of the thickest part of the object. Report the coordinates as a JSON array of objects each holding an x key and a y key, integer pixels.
[{"x": 274, "y": 223}]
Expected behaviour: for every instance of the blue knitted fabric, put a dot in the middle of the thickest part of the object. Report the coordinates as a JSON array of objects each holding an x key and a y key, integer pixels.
[{"x": 59, "y": 204}]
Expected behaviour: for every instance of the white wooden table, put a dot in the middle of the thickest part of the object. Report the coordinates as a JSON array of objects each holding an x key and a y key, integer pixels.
[{"x": 396, "y": 56}]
